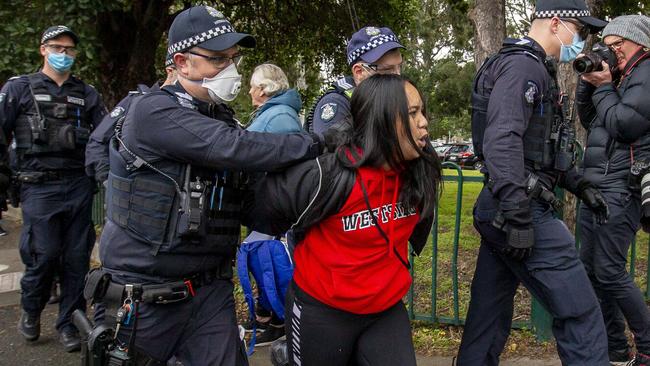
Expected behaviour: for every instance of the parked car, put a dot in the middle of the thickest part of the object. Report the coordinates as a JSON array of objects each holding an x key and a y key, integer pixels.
[
  {"x": 442, "y": 151},
  {"x": 463, "y": 155}
]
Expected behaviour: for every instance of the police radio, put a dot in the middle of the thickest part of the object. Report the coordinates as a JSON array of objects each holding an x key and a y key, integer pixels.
[
  {"x": 192, "y": 205},
  {"x": 566, "y": 138}
]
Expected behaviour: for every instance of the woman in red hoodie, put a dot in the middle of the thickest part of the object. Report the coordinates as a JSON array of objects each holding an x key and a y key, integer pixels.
[{"x": 353, "y": 212}]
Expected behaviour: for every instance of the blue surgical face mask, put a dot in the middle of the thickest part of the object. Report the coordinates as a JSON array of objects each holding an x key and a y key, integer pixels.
[
  {"x": 60, "y": 62},
  {"x": 570, "y": 52}
]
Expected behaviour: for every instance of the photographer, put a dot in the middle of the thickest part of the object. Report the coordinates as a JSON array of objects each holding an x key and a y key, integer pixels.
[{"x": 613, "y": 106}]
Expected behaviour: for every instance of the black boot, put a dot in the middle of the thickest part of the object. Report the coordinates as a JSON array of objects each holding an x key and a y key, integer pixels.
[
  {"x": 69, "y": 338},
  {"x": 29, "y": 326}
]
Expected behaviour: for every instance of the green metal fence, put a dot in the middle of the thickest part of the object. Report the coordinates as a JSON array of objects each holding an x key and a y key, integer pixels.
[{"x": 539, "y": 321}]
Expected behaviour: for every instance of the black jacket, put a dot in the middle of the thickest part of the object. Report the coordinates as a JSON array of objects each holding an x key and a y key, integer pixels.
[
  {"x": 307, "y": 193},
  {"x": 617, "y": 119}
]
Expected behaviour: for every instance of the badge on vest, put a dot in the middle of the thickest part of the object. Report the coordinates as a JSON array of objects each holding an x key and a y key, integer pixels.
[
  {"x": 77, "y": 101},
  {"x": 531, "y": 92},
  {"x": 117, "y": 111},
  {"x": 328, "y": 111}
]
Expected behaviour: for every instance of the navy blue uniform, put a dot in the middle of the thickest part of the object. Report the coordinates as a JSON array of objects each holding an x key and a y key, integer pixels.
[
  {"x": 146, "y": 239},
  {"x": 97, "y": 148},
  {"x": 332, "y": 107},
  {"x": 521, "y": 87},
  {"x": 58, "y": 233}
]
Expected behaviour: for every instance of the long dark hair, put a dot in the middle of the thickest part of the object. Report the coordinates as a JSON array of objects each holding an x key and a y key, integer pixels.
[{"x": 379, "y": 106}]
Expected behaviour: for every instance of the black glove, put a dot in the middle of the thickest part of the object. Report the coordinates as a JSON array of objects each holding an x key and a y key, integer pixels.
[
  {"x": 596, "y": 202},
  {"x": 516, "y": 220},
  {"x": 336, "y": 135}
]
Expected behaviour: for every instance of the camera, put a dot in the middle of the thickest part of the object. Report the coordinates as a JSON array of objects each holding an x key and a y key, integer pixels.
[
  {"x": 593, "y": 61},
  {"x": 639, "y": 170}
]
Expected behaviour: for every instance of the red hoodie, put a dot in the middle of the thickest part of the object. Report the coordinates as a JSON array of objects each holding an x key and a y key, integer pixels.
[{"x": 346, "y": 263}]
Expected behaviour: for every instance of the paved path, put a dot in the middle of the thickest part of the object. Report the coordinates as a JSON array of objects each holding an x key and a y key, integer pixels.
[{"x": 47, "y": 351}]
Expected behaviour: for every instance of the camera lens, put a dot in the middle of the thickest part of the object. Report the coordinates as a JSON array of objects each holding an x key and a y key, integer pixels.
[{"x": 583, "y": 65}]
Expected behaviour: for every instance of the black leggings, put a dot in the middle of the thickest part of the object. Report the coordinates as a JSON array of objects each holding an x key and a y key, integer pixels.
[{"x": 318, "y": 334}]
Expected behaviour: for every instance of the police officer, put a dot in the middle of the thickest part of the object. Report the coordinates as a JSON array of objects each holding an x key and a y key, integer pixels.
[
  {"x": 371, "y": 50},
  {"x": 613, "y": 106},
  {"x": 97, "y": 164},
  {"x": 519, "y": 130},
  {"x": 50, "y": 115},
  {"x": 174, "y": 199}
]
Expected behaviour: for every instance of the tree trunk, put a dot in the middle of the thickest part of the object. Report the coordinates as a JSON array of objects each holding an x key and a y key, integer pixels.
[
  {"x": 489, "y": 19},
  {"x": 130, "y": 37},
  {"x": 568, "y": 80}
]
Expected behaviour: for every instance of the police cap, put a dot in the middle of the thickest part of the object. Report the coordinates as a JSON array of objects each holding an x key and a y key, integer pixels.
[
  {"x": 205, "y": 27},
  {"x": 576, "y": 9},
  {"x": 370, "y": 43},
  {"x": 57, "y": 30}
]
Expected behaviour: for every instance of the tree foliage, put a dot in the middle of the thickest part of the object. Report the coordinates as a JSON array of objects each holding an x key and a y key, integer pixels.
[{"x": 123, "y": 42}]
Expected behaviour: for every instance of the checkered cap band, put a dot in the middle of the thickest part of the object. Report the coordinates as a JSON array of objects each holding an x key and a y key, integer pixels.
[
  {"x": 562, "y": 13},
  {"x": 199, "y": 38},
  {"x": 376, "y": 42},
  {"x": 54, "y": 34}
]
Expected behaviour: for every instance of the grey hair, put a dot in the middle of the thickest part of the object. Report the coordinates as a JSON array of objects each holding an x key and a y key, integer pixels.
[{"x": 270, "y": 78}]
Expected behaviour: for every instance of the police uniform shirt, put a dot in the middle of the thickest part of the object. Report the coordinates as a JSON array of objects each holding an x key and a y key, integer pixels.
[
  {"x": 519, "y": 80},
  {"x": 15, "y": 99},
  {"x": 332, "y": 108}
]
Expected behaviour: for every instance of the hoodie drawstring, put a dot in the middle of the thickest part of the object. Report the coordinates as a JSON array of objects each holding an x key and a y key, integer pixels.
[{"x": 393, "y": 211}]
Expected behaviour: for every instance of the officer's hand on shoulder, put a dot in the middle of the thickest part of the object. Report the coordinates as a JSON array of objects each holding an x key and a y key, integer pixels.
[{"x": 337, "y": 134}]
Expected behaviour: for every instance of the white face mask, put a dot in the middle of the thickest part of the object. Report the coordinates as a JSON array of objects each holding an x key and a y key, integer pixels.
[{"x": 224, "y": 86}]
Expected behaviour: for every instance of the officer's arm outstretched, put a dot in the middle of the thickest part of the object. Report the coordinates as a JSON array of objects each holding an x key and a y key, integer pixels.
[{"x": 161, "y": 129}]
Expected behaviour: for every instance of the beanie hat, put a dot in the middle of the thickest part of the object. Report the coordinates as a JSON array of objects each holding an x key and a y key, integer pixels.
[{"x": 636, "y": 28}]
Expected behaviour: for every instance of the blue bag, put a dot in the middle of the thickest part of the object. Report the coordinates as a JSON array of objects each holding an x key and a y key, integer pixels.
[{"x": 269, "y": 263}]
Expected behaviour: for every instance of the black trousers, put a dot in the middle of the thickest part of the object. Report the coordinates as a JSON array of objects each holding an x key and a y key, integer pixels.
[
  {"x": 604, "y": 252},
  {"x": 553, "y": 274},
  {"x": 57, "y": 238},
  {"x": 318, "y": 334}
]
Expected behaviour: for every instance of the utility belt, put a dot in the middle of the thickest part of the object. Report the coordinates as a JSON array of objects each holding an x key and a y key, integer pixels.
[
  {"x": 101, "y": 288},
  {"x": 47, "y": 176},
  {"x": 101, "y": 344},
  {"x": 536, "y": 190}
]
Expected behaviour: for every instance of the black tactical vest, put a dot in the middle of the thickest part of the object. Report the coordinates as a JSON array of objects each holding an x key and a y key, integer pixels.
[
  {"x": 174, "y": 207},
  {"x": 54, "y": 126},
  {"x": 343, "y": 86},
  {"x": 549, "y": 140}
]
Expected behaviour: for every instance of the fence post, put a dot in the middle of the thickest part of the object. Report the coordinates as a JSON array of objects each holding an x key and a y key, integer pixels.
[{"x": 541, "y": 320}]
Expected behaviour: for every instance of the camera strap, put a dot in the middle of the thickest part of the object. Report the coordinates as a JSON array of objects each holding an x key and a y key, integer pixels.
[{"x": 644, "y": 56}]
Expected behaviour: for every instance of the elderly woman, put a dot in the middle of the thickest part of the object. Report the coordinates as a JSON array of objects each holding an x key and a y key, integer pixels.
[
  {"x": 277, "y": 109},
  {"x": 277, "y": 105}
]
